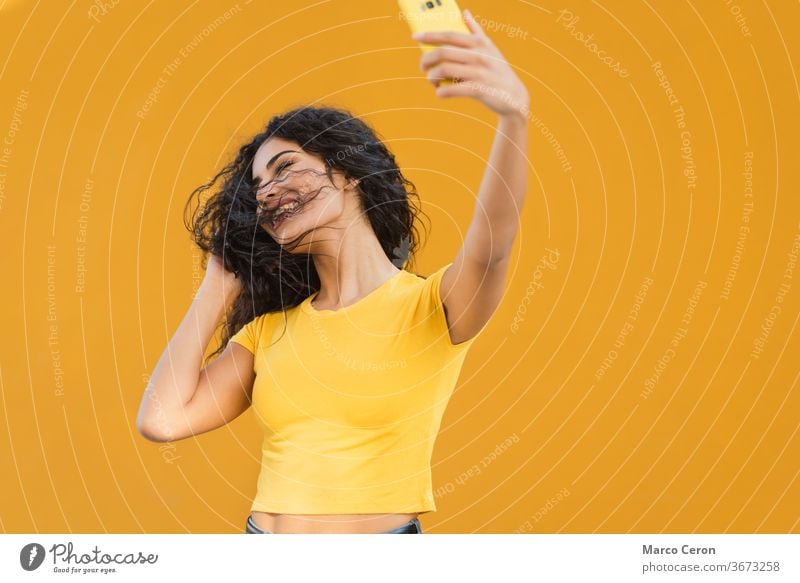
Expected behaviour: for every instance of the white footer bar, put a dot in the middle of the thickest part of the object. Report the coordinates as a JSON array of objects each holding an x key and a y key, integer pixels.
[{"x": 375, "y": 558}]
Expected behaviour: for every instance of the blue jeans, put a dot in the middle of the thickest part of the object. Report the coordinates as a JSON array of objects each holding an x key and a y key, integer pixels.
[{"x": 411, "y": 527}]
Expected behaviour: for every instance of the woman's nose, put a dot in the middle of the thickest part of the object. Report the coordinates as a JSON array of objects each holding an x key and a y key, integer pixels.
[
  {"x": 264, "y": 195},
  {"x": 267, "y": 199}
]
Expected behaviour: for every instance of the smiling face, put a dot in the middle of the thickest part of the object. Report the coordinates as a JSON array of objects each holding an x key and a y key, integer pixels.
[{"x": 295, "y": 194}]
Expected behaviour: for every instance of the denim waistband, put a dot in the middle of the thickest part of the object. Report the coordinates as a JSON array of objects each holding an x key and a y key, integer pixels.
[{"x": 413, "y": 526}]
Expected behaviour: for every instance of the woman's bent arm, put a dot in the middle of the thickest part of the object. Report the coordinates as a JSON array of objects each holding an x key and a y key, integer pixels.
[{"x": 182, "y": 400}]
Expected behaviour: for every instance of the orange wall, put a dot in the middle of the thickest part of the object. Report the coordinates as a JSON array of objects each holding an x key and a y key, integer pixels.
[{"x": 605, "y": 411}]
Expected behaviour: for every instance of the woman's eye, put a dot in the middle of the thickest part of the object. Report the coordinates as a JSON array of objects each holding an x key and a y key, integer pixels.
[
  {"x": 278, "y": 172},
  {"x": 283, "y": 167}
]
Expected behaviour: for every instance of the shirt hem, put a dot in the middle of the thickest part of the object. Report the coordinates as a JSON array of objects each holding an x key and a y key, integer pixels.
[
  {"x": 354, "y": 508},
  {"x": 244, "y": 345}
]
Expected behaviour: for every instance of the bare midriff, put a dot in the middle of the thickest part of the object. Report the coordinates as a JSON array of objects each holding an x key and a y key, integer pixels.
[{"x": 329, "y": 523}]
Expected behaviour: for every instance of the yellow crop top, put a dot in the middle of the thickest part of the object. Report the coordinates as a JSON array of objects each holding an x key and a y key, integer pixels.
[{"x": 351, "y": 400}]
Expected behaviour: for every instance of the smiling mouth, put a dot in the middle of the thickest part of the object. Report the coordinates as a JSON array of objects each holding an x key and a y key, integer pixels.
[{"x": 284, "y": 215}]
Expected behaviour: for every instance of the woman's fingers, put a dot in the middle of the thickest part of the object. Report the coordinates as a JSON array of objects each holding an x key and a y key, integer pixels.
[
  {"x": 451, "y": 54},
  {"x": 473, "y": 25},
  {"x": 463, "y": 89},
  {"x": 458, "y": 39},
  {"x": 451, "y": 71}
]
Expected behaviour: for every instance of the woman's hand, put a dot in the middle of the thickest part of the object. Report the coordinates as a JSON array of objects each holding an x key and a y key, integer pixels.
[
  {"x": 481, "y": 69},
  {"x": 220, "y": 280}
]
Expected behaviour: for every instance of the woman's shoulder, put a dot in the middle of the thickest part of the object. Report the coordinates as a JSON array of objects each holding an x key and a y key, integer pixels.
[
  {"x": 434, "y": 273},
  {"x": 428, "y": 283},
  {"x": 423, "y": 290},
  {"x": 257, "y": 328}
]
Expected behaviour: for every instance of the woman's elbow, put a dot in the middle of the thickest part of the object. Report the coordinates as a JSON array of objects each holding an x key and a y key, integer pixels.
[
  {"x": 147, "y": 432},
  {"x": 153, "y": 431}
]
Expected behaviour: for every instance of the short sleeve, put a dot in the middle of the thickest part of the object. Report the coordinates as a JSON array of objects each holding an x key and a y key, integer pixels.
[
  {"x": 434, "y": 307},
  {"x": 247, "y": 335}
]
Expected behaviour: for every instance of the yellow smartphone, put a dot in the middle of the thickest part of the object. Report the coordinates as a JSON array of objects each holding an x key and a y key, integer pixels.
[{"x": 432, "y": 16}]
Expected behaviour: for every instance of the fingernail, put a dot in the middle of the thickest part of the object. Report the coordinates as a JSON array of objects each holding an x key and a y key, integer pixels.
[{"x": 417, "y": 35}]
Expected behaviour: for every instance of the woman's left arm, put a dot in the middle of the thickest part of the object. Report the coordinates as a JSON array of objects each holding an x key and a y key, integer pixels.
[{"x": 471, "y": 288}]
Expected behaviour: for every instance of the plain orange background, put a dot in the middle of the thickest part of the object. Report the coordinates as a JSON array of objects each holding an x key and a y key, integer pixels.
[{"x": 98, "y": 270}]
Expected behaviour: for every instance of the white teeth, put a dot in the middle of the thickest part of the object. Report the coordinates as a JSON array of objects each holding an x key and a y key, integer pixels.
[
  {"x": 287, "y": 207},
  {"x": 284, "y": 209}
]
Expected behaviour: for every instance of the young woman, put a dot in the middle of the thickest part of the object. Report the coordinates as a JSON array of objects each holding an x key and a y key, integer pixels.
[{"x": 347, "y": 358}]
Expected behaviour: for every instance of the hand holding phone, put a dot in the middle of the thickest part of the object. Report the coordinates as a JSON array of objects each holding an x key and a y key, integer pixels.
[
  {"x": 433, "y": 16},
  {"x": 464, "y": 53}
]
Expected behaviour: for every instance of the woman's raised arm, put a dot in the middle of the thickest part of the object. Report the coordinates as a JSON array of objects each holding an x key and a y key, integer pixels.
[{"x": 472, "y": 287}]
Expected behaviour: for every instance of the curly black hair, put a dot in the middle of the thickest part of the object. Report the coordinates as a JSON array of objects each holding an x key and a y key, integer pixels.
[{"x": 229, "y": 224}]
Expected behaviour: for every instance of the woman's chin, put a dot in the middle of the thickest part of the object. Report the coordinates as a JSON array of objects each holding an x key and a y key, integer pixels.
[{"x": 284, "y": 232}]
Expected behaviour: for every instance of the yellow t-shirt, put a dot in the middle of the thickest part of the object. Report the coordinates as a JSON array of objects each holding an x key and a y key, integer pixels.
[{"x": 351, "y": 400}]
